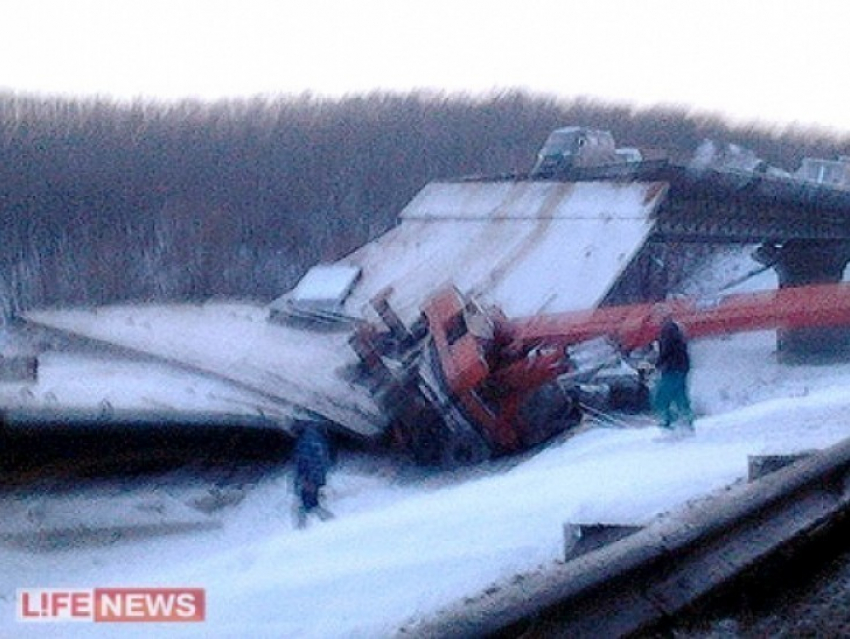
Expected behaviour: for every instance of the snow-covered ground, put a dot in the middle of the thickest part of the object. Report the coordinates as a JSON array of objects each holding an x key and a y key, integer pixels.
[{"x": 405, "y": 543}]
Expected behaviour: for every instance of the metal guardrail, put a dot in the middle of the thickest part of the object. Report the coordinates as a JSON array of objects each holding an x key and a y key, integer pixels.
[{"x": 656, "y": 572}]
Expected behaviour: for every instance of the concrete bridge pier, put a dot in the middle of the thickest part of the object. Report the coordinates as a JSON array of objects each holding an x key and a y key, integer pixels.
[{"x": 799, "y": 263}]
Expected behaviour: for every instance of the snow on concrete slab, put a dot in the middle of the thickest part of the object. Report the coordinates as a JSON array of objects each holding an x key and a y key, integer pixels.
[
  {"x": 324, "y": 286},
  {"x": 533, "y": 200},
  {"x": 235, "y": 341},
  {"x": 526, "y": 247},
  {"x": 97, "y": 381}
]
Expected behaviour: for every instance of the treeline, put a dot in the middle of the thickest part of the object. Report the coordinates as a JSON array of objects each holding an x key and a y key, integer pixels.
[{"x": 103, "y": 201}]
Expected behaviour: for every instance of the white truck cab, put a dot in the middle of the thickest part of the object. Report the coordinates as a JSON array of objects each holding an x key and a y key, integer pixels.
[{"x": 575, "y": 147}]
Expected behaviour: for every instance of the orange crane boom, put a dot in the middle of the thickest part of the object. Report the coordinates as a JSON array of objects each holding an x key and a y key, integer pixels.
[{"x": 637, "y": 325}]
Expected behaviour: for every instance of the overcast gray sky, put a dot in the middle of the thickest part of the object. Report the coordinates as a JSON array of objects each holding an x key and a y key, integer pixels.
[{"x": 769, "y": 60}]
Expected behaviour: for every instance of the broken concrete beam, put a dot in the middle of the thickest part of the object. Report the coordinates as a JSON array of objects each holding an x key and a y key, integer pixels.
[{"x": 391, "y": 319}]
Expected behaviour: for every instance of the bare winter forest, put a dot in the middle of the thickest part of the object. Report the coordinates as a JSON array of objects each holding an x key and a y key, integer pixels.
[{"x": 104, "y": 201}]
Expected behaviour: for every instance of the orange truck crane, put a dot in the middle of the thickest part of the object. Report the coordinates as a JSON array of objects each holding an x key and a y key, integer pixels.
[{"x": 466, "y": 383}]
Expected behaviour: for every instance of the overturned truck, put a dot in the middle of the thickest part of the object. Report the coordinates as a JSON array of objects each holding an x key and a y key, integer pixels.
[{"x": 465, "y": 383}]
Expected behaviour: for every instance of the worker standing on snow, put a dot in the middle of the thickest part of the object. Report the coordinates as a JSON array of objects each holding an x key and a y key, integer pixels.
[
  {"x": 312, "y": 461},
  {"x": 674, "y": 364}
]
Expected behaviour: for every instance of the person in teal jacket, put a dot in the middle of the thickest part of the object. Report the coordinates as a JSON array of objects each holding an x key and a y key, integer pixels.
[{"x": 674, "y": 365}]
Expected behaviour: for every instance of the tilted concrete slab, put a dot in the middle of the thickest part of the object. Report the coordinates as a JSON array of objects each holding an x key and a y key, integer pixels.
[
  {"x": 235, "y": 341},
  {"x": 527, "y": 247}
]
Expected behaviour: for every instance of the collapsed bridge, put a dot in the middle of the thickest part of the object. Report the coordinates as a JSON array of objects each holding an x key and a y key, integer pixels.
[{"x": 583, "y": 239}]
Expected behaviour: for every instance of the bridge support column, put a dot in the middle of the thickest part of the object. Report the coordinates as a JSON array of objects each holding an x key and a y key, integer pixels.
[{"x": 803, "y": 262}]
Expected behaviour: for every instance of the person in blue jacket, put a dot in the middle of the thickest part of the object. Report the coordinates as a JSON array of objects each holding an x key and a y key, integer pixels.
[
  {"x": 674, "y": 365},
  {"x": 312, "y": 460}
]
